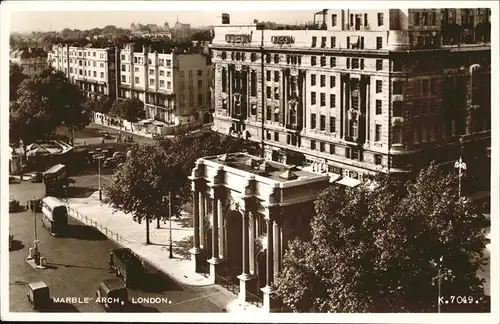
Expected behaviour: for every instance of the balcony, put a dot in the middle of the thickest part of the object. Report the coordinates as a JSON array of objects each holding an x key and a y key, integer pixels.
[
  {"x": 294, "y": 127},
  {"x": 397, "y": 40}
]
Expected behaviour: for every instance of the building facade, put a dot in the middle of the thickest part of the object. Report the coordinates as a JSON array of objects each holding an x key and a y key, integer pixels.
[
  {"x": 93, "y": 69},
  {"x": 245, "y": 211},
  {"x": 365, "y": 91},
  {"x": 32, "y": 60},
  {"x": 174, "y": 87}
]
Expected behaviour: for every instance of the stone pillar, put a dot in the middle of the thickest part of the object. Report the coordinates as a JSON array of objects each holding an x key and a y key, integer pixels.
[
  {"x": 367, "y": 110},
  {"x": 276, "y": 247},
  {"x": 268, "y": 291},
  {"x": 245, "y": 275},
  {"x": 251, "y": 243},
  {"x": 220, "y": 222},
  {"x": 202, "y": 220},
  {"x": 195, "y": 251},
  {"x": 215, "y": 260}
]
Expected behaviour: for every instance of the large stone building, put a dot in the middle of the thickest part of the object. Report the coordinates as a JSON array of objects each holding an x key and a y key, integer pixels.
[
  {"x": 245, "y": 211},
  {"x": 362, "y": 91},
  {"x": 31, "y": 60},
  {"x": 173, "y": 86},
  {"x": 92, "y": 68}
]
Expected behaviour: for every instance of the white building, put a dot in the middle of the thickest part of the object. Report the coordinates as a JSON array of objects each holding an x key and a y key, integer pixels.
[{"x": 174, "y": 87}]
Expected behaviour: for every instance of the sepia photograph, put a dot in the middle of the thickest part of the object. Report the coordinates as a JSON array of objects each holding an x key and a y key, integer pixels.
[{"x": 277, "y": 159}]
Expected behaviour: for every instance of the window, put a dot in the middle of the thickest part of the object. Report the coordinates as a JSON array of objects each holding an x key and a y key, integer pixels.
[
  {"x": 397, "y": 135},
  {"x": 425, "y": 17},
  {"x": 365, "y": 20},
  {"x": 253, "y": 84},
  {"x": 379, "y": 65},
  {"x": 313, "y": 60},
  {"x": 268, "y": 75},
  {"x": 276, "y": 58},
  {"x": 95, "y": 74},
  {"x": 397, "y": 66},
  {"x": 378, "y": 159},
  {"x": 378, "y": 107},
  {"x": 397, "y": 87},
  {"x": 332, "y": 101},
  {"x": 151, "y": 71},
  {"x": 323, "y": 61},
  {"x": 224, "y": 79},
  {"x": 276, "y": 136},
  {"x": 378, "y": 86},
  {"x": 333, "y": 41},
  {"x": 354, "y": 128},
  {"x": 348, "y": 63},
  {"x": 314, "y": 40},
  {"x": 313, "y": 98},
  {"x": 200, "y": 83},
  {"x": 102, "y": 65},
  {"x": 136, "y": 69},
  {"x": 332, "y": 125},
  {"x": 321, "y": 146},
  {"x": 268, "y": 92},
  {"x": 425, "y": 87},
  {"x": 124, "y": 68},
  {"x": 123, "y": 57},
  {"x": 162, "y": 73},
  {"x": 70, "y": 70},
  {"x": 268, "y": 135},
  {"x": 313, "y": 145},
  {"x": 168, "y": 62},
  {"x": 124, "y": 78},
  {"x": 379, "y": 42},
  {"x": 355, "y": 63},
  {"x": 380, "y": 19},
  {"x": 334, "y": 20},
  {"x": 322, "y": 80},
  {"x": 276, "y": 93},
  {"x": 433, "y": 86},
  {"x": 268, "y": 58},
  {"x": 313, "y": 121},
  {"x": 253, "y": 57},
  {"x": 332, "y": 81},
  {"x": 378, "y": 133},
  {"x": 332, "y": 149},
  {"x": 200, "y": 99},
  {"x": 268, "y": 113},
  {"x": 417, "y": 19},
  {"x": 417, "y": 133},
  {"x": 323, "y": 42},
  {"x": 94, "y": 64},
  {"x": 102, "y": 75},
  {"x": 322, "y": 122},
  {"x": 322, "y": 99},
  {"x": 313, "y": 79},
  {"x": 362, "y": 64},
  {"x": 333, "y": 61},
  {"x": 433, "y": 19},
  {"x": 397, "y": 109},
  {"x": 276, "y": 76},
  {"x": 199, "y": 73},
  {"x": 162, "y": 83},
  {"x": 136, "y": 79}
]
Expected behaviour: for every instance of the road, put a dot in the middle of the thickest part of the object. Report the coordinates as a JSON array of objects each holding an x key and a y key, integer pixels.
[{"x": 78, "y": 263}]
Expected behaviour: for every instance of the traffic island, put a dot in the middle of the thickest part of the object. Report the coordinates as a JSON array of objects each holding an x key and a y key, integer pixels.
[{"x": 32, "y": 263}]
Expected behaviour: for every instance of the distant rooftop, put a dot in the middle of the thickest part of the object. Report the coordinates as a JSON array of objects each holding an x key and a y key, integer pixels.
[{"x": 269, "y": 169}]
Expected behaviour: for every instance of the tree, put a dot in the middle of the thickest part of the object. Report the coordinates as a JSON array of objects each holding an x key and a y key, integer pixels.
[
  {"x": 44, "y": 102},
  {"x": 379, "y": 250},
  {"x": 150, "y": 172},
  {"x": 16, "y": 77},
  {"x": 102, "y": 104},
  {"x": 131, "y": 110}
]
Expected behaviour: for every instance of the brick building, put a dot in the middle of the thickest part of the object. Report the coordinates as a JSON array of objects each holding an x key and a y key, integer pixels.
[
  {"x": 360, "y": 92},
  {"x": 31, "y": 60}
]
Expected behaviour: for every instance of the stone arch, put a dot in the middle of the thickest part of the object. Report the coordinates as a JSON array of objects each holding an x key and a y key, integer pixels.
[{"x": 234, "y": 229}]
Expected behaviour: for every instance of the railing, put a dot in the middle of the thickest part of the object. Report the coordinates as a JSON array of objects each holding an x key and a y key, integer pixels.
[{"x": 103, "y": 229}]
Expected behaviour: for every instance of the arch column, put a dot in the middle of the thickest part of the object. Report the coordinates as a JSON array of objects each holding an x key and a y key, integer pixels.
[
  {"x": 270, "y": 303},
  {"x": 216, "y": 260}
]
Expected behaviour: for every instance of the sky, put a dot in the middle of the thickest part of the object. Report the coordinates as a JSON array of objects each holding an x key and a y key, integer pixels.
[{"x": 46, "y": 20}]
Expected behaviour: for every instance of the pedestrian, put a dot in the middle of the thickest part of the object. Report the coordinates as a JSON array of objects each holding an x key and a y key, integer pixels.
[{"x": 102, "y": 141}]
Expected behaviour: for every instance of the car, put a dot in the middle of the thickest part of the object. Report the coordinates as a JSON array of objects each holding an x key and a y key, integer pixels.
[
  {"x": 106, "y": 135},
  {"x": 13, "y": 205},
  {"x": 119, "y": 156},
  {"x": 12, "y": 179},
  {"x": 36, "y": 177},
  {"x": 109, "y": 163}
]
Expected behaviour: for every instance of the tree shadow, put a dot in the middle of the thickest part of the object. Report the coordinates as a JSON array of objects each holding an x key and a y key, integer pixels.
[
  {"x": 157, "y": 282},
  {"x": 83, "y": 232},
  {"x": 53, "y": 265},
  {"x": 185, "y": 222},
  {"x": 16, "y": 245},
  {"x": 139, "y": 308},
  {"x": 183, "y": 246}
]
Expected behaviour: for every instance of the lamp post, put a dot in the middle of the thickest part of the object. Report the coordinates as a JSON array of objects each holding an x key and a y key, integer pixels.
[
  {"x": 99, "y": 157},
  {"x": 169, "y": 198},
  {"x": 460, "y": 165},
  {"x": 441, "y": 276},
  {"x": 35, "y": 234}
]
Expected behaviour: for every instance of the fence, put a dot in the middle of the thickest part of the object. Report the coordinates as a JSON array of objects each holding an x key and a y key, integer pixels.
[{"x": 103, "y": 229}]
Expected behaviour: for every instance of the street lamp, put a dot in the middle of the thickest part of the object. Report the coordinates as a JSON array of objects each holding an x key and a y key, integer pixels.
[
  {"x": 460, "y": 165},
  {"x": 99, "y": 157},
  {"x": 441, "y": 275},
  {"x": 164, "y": 199}
]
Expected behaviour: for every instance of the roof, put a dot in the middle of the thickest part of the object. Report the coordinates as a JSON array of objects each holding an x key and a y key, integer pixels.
[
  {"x": 52, "y": 201},
  {"x": 28, "y": 53},
  {"x": 276, "y": 171},
  {"x": 38, "y": 285},
  {"x": 55, "y": 168},
  {"x": 113, "y": 284}
]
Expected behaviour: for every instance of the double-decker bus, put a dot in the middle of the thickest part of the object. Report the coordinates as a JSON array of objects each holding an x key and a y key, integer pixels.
[
  {"x": 54, "y": 216},
  {"x": 55, "y": 180}
]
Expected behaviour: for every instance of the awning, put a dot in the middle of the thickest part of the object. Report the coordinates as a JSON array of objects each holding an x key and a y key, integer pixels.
[
  {"x": 334, "y": 177},
  {"x": 350, "y": 182}
]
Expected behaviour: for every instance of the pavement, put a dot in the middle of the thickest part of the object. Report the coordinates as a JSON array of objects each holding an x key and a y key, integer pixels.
[
  {"x": 127, "y": 127},
  {"x": 121, "y": 228}
]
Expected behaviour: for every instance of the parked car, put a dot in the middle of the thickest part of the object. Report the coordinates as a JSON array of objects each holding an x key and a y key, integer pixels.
[
  {"x": 39, "y": 295},
  {"x": 112, "y": 290},
  {"x": 127, "y": 265},
  {"x": 109, "y": 163},
  {"x": 119, "y": 156},
  {"x": 106, "y": 135},
  {"x": 13, "y": 205},
  {"x": 36, "y": 177}
]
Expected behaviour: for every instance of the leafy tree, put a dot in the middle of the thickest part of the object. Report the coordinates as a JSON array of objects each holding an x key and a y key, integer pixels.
[
  {"x": 44, "y": 102},
  {"x": 131, "y": 110},
  {"x": 150, "y": 172},
  {"x": 16, "y": 77},
  {"x": 102, "y": 104},
  {"x": 379, "y": 250}
]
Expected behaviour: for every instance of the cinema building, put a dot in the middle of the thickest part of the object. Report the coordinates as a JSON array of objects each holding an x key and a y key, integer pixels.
[{"x": 360, "y": 92}]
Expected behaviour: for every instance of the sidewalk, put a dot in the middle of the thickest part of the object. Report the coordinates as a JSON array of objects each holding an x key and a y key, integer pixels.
[
  {"x": 124, "y": 231},
  {"x": 126, "y": 128}
]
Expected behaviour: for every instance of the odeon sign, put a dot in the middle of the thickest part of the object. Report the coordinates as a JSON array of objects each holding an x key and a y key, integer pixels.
[
  {"x": 238, "y": 38},
  {"x": 282, "y": 40}
]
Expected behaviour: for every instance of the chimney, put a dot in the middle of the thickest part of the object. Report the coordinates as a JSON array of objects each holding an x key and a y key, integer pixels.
[{"x": 225, "y": 19}]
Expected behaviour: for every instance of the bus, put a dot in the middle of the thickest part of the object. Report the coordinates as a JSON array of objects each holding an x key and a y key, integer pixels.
[
  {"x": 55, "y": 180},
  {"x": 54, "y": 216}
]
